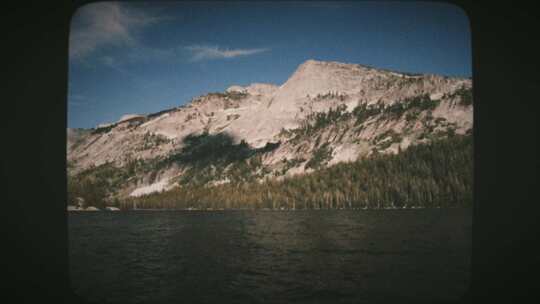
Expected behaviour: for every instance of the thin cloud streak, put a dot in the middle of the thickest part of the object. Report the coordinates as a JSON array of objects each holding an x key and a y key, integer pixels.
[
  {"x": 106, "y": 24},
  {"x": 213, "y": 52}
]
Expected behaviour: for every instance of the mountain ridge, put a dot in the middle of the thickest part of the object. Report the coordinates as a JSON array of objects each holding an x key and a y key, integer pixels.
[{"x": 330, "y": 111}]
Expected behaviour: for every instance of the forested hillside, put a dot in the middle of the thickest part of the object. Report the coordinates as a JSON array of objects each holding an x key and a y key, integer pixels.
[{"x": 438, "y": 174}]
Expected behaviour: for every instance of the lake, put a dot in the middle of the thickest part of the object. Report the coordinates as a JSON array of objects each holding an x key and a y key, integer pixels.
[{"x": 315, "y": 256}]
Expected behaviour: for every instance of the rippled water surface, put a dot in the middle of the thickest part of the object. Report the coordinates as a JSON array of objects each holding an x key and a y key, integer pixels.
[{"x": 372, "y": 256}]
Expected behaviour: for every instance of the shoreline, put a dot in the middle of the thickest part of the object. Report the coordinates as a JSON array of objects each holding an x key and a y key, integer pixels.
[{"x": 266, "y": 210}]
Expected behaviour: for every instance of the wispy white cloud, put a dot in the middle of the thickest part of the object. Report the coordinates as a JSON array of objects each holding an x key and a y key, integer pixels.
[
  {"x": 106, "y": 24},
  {"x": 201, "y": 52}
]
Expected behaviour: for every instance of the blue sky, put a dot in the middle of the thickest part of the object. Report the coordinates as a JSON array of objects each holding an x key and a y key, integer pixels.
[{"x": 143, "y": 57}]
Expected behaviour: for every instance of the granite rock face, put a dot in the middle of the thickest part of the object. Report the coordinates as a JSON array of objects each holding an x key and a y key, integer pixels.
[{"x": 347, "y": 111}]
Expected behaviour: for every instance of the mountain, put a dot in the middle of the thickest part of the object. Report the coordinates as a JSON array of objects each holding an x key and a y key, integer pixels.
[{"x": 326, "y": 113}]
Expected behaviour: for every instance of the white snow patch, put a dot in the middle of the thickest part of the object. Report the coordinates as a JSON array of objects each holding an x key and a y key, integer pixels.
[
  {"x": 129, "y": 116},
  {"x": 104, "y": 125},
  {"x": 351, "y": 105},
  {"x": 236, "y": 88},
  {"x": 220, "y": 182},
  {"x": 344, "y": 153},
  {"x": 155, "y": 187},
  {"x": 436, "y": 96}
]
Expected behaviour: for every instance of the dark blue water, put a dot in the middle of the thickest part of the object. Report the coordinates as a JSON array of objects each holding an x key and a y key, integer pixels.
[{"x": 377, "y": 256}]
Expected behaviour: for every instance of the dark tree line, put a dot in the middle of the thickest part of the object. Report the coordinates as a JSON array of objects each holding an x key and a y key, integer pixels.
[{"x": 438, "y": 174}]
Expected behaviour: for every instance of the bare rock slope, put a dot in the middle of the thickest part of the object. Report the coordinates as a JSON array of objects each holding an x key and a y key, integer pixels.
[{"x": 325, "y": 113}]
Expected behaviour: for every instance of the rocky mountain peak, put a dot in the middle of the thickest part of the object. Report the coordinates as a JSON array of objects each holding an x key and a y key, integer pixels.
[
  {"x": 315, "y": 77},
  {"x": 326, "y": 112},
  {"x": 253, "y": 89}
]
